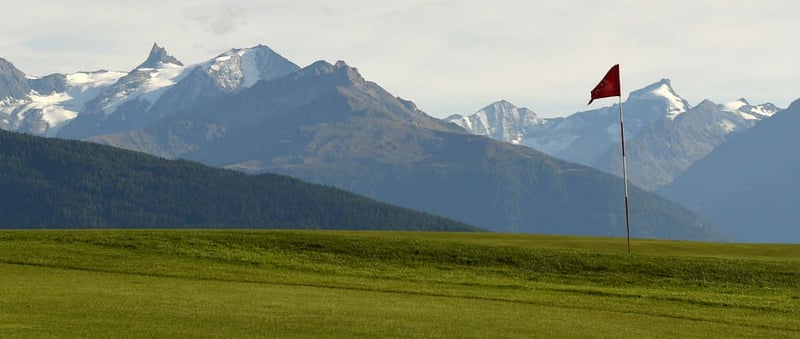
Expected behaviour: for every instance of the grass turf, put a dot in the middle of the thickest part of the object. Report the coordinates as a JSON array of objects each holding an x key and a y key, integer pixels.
[{"x": 389, "y": 284}]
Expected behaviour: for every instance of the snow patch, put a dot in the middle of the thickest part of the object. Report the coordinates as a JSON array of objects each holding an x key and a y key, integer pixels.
[
  {"x": 675, "y": 104},
  {"x": 727, "y": 126},
  {"x": 234, "y": 69},
  {"x": 463, "y": 122},
  {"x": 761, "y": 110},
  {"x": 484, "y": 122},
  {"x": 734, "y": 106},
  {"x": 85, "y": 86},
  {"x": 54, "y": 98},
  {"x": 160, "y": 79},
  {"x": 743, "y": 109},
  {"x": 221, "y": 59},
  {"x": 53, "y": 113},
  {"x": 7, "y": 105},
  {"x": 157, "y": 82},
  {"x": 747, "y": 116},
  {"x": 85, "y": 80}
]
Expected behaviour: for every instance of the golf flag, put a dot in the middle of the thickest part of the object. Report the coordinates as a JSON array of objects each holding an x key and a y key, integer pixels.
[{"x": 609, "y": 86}]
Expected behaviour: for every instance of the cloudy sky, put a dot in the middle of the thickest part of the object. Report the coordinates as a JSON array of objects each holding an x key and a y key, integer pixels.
[{"x": 448, "y": 56}]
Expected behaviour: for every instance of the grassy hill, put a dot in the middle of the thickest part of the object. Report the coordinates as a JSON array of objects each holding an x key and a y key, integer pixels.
[
  {"x": 52, "y": 183},
  {"x": 182, "y": 283}
]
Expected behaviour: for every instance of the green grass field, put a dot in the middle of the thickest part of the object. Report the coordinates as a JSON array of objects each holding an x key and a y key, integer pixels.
[{"x": 164, "y": 283}]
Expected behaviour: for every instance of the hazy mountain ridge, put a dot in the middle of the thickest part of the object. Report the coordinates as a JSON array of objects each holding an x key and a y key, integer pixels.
[
  {"x": 745, "y": 185},
  {"x": 663, "y": 150},
  {"x": 664, "y": 133}
]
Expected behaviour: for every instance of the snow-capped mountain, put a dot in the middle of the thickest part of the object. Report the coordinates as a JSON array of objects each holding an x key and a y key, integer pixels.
[
  {"x": 581, "y": 137},
  {"x": 661, "y": 92},
  {"x": 749, "y": 185},
  {"x": 43, "y": 105},
  {"x": 655, "y": 112},
  {"x": 593, "y": 132},
  {"x": 667, "y": 147},
  {"x": 85, "y": 104},
  {"x": 502, "y": 121},
  {"x": 145, "y": 83},
  {"x": 242, "y": 68}
]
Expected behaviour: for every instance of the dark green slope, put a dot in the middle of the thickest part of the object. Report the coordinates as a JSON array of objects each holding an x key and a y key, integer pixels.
[{"x": 53, "y": 183}]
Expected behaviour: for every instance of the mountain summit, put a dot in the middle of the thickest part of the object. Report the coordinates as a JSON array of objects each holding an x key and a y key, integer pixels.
[
  {"x": 663, "y": 92},
  {"x": 501, "y": 120},
  {"x": 12, "y": 81},
  {"x": 159, "y": 57},
  {"x": 240, "y": 68}
]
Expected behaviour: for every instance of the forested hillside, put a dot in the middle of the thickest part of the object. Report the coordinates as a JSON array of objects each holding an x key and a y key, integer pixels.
[{"x": 53, "y": 183}]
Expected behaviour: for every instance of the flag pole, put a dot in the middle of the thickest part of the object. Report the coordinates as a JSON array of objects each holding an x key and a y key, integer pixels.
[
  {"x": 625, "y": 174},
  {"x": 611, "y": 86}
]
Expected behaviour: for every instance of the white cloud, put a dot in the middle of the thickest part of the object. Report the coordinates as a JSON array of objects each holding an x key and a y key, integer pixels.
[{"x": 448, "y": 56}]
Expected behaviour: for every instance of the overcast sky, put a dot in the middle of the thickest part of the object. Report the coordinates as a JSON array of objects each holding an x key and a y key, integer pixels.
[{"x": 447, "y": 56}]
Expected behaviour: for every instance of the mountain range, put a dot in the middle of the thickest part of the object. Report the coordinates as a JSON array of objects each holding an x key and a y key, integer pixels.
[
  {"x": 254, "y": 111},
  {"x": 750, "y": 185},
  {"x": 85, "y": 104},
  {"x": 664, "y": 133}
]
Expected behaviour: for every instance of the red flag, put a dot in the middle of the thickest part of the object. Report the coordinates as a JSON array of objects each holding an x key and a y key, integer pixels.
[{"x": 609, "y": 86}]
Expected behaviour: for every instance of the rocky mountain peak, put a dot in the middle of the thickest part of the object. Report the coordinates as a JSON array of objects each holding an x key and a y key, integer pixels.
[
  {"x": 159, "y": 57},
  {"x": 240, "y": 68},
  {"x": 662, "y": 91},
  {"x": 340, "y": 71},
  {"x": 500, "y": 120},
  {"x": 507, "y": 110},
  {"x": 13, "y": 83},
  {"x": 708, "y": 104},
  {"x": 500, "y": 106},
  {"x": 656, "y": 89}
]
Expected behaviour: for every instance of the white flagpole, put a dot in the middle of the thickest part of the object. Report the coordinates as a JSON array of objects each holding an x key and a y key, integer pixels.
[{"x": 624, "y": 172}]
